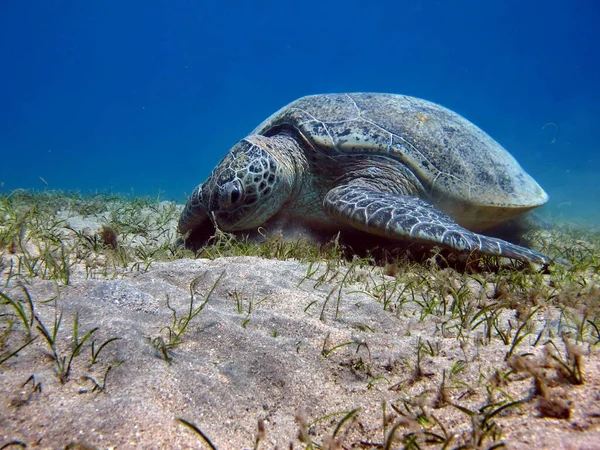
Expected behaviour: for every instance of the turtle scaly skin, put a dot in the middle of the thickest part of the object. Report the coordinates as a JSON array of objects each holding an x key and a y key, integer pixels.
[
  {"x": 412, "y": 219},
  {"x": 388, "y": 165}
]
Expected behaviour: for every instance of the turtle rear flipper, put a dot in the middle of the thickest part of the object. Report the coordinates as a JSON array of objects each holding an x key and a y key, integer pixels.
[{"x": 413, "y": 219}]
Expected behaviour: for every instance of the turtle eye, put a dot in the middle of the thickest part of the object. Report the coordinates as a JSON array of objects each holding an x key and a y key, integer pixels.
[
  {"x": 231, "y": 194},
  {"x": 234, "y": 194}
]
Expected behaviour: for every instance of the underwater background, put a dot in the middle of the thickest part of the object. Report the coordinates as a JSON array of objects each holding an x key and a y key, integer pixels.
[{"x": 145, "y": 97}]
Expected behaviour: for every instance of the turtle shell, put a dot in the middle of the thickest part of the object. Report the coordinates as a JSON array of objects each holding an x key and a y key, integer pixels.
[{"x": 461, "y": 169}]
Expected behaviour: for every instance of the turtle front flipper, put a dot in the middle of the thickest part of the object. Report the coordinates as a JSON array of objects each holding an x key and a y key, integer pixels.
[{"x": 413, "y": 219}]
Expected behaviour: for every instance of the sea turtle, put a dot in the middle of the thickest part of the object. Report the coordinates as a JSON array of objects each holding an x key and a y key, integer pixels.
[{"x": 391, "y": 165}]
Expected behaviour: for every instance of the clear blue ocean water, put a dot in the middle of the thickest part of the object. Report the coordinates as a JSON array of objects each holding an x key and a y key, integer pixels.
[{"x": 145, "y": 97}]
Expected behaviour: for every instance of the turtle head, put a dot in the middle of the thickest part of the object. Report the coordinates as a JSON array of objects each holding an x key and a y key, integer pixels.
[{"x": 247, "y": 187}]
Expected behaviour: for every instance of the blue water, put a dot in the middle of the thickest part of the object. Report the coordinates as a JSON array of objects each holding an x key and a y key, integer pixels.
[{"x": 147, "y": 96}]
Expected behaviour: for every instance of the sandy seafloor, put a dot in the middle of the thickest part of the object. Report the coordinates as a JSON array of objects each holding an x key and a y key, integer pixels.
[{"x": 286, "y": 343}]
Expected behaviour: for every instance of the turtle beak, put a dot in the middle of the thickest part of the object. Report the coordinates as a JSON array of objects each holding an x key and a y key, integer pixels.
[{"x": 195, "y": 224}]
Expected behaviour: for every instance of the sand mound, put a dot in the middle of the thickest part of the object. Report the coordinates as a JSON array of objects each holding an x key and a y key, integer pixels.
[{"x": 272, "y": 339}]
